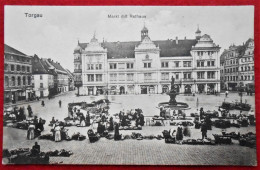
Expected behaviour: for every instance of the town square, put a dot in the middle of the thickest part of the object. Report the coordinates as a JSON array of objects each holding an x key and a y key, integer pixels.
[{"x": 169, "y": 87}]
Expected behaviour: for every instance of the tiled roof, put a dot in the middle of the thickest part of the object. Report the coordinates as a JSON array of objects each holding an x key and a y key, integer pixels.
[
  {"x": 120, "y": 49},
  {"x": 168, "y": 48},
  {"x": 57, "y": 66},
  {"x": 37, "y": 66},
  {"x": 9, "y": 49},
  {"x": 40, "y": 66}
]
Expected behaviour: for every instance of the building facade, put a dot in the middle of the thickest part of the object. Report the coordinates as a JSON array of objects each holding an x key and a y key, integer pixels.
[
  {"x": 230, "y": 58},
  {"x": 71, "y": 80},
  {"x": 238, "y": 67},
  {"x": 17, "y": 75},
  {"x": 43, "y": 78},
  {"x": 146, "y": 66},
  {"x": 246, "y": 67},
  {"x": 61, "y": 78}
]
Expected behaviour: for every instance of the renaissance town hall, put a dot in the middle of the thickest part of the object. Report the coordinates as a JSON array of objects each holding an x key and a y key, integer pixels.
[{"x": 146, "y": 66}]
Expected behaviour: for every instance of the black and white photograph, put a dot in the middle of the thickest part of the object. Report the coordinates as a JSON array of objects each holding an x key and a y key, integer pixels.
[{"x": 129, "y": 85}]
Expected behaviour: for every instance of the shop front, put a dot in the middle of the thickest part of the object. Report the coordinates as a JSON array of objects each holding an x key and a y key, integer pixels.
[
  {"x": 187, "y": 89},
  {"x": 130, "y": 89},
  {"x": 201, "y": 88},
  {"x": 90, "y": 90},
  {"x": 100, "y": 90}
]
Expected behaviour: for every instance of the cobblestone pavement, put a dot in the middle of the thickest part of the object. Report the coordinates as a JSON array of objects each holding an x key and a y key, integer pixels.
[{"x": 133, "y": 151}]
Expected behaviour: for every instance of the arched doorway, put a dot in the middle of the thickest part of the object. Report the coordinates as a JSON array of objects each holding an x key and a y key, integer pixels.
[
  {"x": 201, "y": 88},
  {"x": 165, "y": 89},
  {"x": 211, "y": 88},
  {"x": 113, "y": 90},
  {"x": 187, "y": 89},
  {"x": 151, "y": 89},
  {"x": 143, "y": 89},
  {"x": 130, "y": 90},
  {"x": 122, "y": 90}
]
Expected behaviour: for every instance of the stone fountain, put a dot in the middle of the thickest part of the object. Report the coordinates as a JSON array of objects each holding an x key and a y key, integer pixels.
[{"x": 173, "y": 104}]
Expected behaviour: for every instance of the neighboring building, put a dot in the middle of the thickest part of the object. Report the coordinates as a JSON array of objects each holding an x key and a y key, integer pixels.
[
  {"x": 246, "y": 66},
  {"x": 238, "y": 66},
  {"x": 146, "y": 66},
  {"x": 43, "y": 77},
  {"x": 17, "y": 75},
  {"x": 230, "y": 69},
  {"x": 222, "y": 74},
  {"x": 61, "y": 79},
  {"x": 71, "y": 80}
]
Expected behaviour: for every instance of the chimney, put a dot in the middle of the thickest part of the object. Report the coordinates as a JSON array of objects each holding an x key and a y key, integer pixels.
[{"x": 176, "y": 40}]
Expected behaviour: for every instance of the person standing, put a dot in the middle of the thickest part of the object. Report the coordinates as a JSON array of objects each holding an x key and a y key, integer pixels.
[
  {"x": 179, "y": 135},
  {"x": 201, "y": 113},
  {"x": 43, "y": 104},
  {"x": 29, "y": 111},
  {"x": 111, "y": 124},
  {"x": 30, "y": 131},
  {"x": 117, "y": 136},
  {"x": 226, "y": 93},
  {"x": 57, "y": 132},
  {"x": 204, "y": 130},
  {"x": 88, "y": 119},
  {"x": 60, "y": 103}
]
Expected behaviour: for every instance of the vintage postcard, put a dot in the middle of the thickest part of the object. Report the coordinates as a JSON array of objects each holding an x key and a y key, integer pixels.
[{"x": 129, "y": 85}]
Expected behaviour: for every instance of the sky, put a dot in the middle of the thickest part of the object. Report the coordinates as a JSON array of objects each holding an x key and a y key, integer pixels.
[{"x": 56, "y": 34}]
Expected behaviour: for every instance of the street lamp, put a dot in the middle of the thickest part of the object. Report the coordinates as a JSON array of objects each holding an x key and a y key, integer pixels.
[
  {"x": 194, "y": 85},
  {"x": 240, "y": 92}
]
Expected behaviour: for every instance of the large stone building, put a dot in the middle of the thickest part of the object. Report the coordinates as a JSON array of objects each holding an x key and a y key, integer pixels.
[
  {"x": 17, "y": 75},
  {"x": 238, "y": 66},
  {"x": 146, "y": 66}
]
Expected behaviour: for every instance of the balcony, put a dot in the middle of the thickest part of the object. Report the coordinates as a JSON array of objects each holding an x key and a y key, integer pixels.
[{"x": 77, "y": 70}]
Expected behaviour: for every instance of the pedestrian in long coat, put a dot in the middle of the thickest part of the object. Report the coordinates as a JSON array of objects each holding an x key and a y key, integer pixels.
[
  {"x": 204, "y": 130},
  {"x": 179, "y": 135},
  {"x": 111, "y": 124},
  {"x": 117, "y": 136},
  {"x": 87, "y": 119}
]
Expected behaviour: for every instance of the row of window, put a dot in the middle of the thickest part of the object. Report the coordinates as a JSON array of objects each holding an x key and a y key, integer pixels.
[
  {"x": 235, "y": 78},
  {"x": 247, "y": 59},
  {"x": 209, "y": 53},
  {"x": 90, "y": 77},
  {"x": 94, "y": 66},
  {"x": 247, "y": 68},
  {"x": 13, "y": 67},
  {"x": 121, "y": 65},
  {"x": 16, "y": 58},
  {"x": 231, "y": 62},
  {"x": 17, "y": 81},
  {"x": 202, "y": 63},
  {"x": 121, "y": 77},
  {"x": 231, "y": 70}
]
